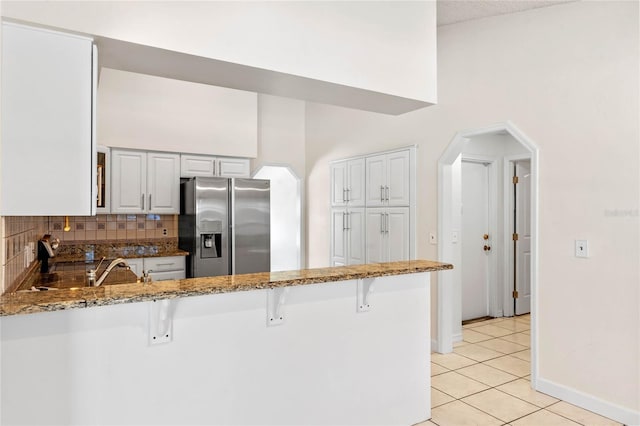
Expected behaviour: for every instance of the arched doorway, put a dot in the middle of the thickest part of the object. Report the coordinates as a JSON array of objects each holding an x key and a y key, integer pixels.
[
  {"x": 286, "y": 216},
  {"x": 449, "y": 211}
]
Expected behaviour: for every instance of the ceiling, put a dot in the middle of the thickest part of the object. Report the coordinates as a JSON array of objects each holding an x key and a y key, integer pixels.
[{"x": 453, "y": 11}]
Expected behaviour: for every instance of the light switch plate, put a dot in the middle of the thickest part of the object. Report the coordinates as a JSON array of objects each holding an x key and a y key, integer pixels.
[{"x": 582, "y": 248}]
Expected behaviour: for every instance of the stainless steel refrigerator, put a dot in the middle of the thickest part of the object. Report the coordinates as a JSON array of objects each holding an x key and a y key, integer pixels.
[{"x": 224, "y": 224}]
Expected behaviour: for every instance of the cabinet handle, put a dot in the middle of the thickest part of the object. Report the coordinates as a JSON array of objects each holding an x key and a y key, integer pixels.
[
  {"x": 387, "y": 227},
  {"x": 387, "y": 193},
  {"x": 348, "y": 194},
  {"x": 142, "y": 200},
  {"x": 344, "y": 226},
  {"x": 381, "y": 193},
  {"x": 149, "y": 201},
  {"x": 382, "y": 223},
  {"x": 344, "y": 195}
]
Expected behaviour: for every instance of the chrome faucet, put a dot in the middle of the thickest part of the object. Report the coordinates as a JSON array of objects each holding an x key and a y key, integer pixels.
[{"x": 113, "y": 264}]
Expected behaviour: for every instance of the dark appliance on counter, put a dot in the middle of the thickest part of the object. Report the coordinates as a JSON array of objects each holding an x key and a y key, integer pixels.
[{"x": 225, "y": 226}]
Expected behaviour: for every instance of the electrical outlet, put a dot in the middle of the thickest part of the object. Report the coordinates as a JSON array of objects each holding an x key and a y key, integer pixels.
[
  {"x": 432, "y": 238},
  {"x": 582, "y": 248}
]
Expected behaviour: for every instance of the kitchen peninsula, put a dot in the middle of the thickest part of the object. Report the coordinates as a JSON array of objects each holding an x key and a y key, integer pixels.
[{"x": 329, "y": 346}]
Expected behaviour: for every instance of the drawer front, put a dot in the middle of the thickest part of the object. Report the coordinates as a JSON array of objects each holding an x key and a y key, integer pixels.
[
  {"x": 161, "y": 264},
  {"x": 166, "y": 276}
]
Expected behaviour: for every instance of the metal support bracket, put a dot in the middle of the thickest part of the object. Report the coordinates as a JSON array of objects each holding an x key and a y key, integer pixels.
[
  {"x": 161, "y": 321},
  {"x": 364, "y": 287},
  {"x": 275, "y": 305}
]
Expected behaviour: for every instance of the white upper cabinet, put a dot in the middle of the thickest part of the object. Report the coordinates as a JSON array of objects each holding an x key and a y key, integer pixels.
[
  {"x": 347, "y": 182},
  {"x": 145, "y": 182},
  {"x": 205, "y": 165},
  {"x": 128, "y": 181},
  {"x": 48, "y": 155},
  {"x": 233, "y": 167},
  {"x": 163, "y": 183},
  {"x": 388, "y": 179},
  {"x": 196, "y": 165}
]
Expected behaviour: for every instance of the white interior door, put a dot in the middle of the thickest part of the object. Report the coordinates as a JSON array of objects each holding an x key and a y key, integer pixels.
[
  {"x": 475, "y": 224},
  {"x": 523, "y": 244}
]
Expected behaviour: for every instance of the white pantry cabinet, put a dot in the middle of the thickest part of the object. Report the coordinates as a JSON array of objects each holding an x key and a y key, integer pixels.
[
  {"x": 387, "y": 234},
  {"x": 347, "y": 182},
  {"x": 388, "y": 179},
  {"x": 347, "y": 236},
  {"x": 205, "y": 165},
  {"x": 48, "y": 149},
  {"x": 145, "y": 182}
]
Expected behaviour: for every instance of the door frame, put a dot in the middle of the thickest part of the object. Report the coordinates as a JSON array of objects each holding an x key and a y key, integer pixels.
[
  {"x": 448, "y": 281},
  {"x": 492, "y": 202},
  {"x": 507, "y": 269}
]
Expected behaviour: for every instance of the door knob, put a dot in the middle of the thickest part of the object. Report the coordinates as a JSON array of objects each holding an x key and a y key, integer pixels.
[
  {"x": 485, "y": 237},
  {"x": 487, "y": 248}
]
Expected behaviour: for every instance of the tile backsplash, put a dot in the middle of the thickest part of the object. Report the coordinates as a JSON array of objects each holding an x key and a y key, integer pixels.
[
  {"x": 21, "y": 233},
  {"x": 115, "y": 227}
]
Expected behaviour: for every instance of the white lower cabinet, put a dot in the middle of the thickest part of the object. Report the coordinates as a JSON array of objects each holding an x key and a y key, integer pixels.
[
  {"x": 387, "y": 234},
  {"x": 159, "y": 268},
  {"x": 136, "y": 265},
  {"x": 347, "y": 236},
  {"x": 165, "y": 268}
]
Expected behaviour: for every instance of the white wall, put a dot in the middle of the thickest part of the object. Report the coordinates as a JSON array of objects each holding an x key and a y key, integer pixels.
[
  {"x": 567, "y": 76},
  {"x": 148, "y": 112},
  {"x": 353, "y": 44},
  {"x": 281, "y": 133}
]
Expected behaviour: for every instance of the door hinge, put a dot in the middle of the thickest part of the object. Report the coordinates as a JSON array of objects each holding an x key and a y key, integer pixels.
[
  {"x": 515, "y": 180},
  {"x": 515, "y": 237},
  {"x": 515, "y": 294}
]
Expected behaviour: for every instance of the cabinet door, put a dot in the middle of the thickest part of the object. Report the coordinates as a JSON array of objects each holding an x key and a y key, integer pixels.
[
  {"x": 128, "y": 181},
  {"x": 355, "y": 182},
  {"x": 375, "y": 236},
  {"x": 163, "y": 183},
  {"x": 46, "y": 167},
  {"x": 397, "y": 226},
  {"x": 234, "y": 167},
  {"x": 398, "y": 178},
  {"x": 338, "y": 241},
  {"x": 136, "y": 266},
  {"x": 196, "y": 165},
  {"x": 355, "y": 236},
  {"x": 338, "y": 183},
  {"x": 376, "y": 173}
]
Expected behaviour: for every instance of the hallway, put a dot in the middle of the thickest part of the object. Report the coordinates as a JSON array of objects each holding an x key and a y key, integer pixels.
[{"x": 485, "y": 381}]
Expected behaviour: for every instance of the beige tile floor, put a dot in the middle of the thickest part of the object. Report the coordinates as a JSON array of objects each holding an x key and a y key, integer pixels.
[{"x": 485, "y": 381}]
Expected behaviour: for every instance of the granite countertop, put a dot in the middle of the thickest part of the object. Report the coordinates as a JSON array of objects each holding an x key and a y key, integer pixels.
[{"x": 84, "y": 297}]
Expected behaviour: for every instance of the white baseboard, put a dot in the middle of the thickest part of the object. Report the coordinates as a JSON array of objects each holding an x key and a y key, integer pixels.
[
  {"x": 457, "y": 337},
  {"x": 589, "y": 402}
]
